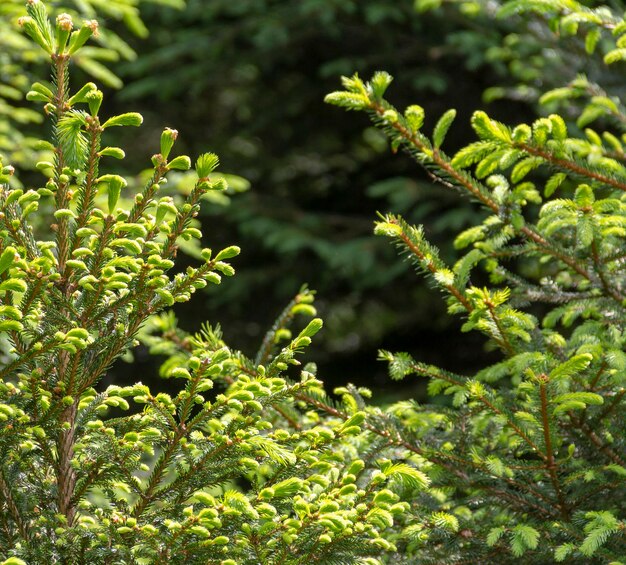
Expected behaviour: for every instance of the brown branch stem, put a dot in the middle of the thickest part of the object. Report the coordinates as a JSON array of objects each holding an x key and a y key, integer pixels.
[
  {"x": 12, "y": 507},
  {"x": 551, "y": 464},
  {"x": 570, "y": 166},
  {"x": 66, "y": 475}
]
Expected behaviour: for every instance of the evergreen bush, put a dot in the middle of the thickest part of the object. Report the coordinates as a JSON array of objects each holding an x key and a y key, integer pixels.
[
  {"x": 266, "y": 469},
  {"x": 250, "y": 461},
  {"x": 527, "y": 456}
]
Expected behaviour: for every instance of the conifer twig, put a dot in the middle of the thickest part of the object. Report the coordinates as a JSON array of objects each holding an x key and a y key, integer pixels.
[
  {"x": 551, "y": 464},
  {"x": 12, "y": 507},
  {"x": 576, "y": 168}
]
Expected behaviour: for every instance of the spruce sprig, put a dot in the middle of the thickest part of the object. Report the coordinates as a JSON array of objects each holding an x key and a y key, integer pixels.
[
  {"x": 526, "y": 449},
  {"x": 245, "y": 473}
]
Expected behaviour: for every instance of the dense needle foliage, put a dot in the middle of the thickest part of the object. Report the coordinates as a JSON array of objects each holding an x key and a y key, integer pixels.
[
  {"x": 249, "y": 473},
  {"x": 249, "y": 461},
  {"x": 527, "y": 456},
  {"x": 316, "y": 177}
]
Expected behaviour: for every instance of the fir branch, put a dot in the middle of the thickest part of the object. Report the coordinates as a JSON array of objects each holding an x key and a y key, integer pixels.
[
  {"x": 283, "y": 320},
  {"x": 411, "y": 239},
  {"x": 419, "y": 145},
  {"x": 147, "y": 495},
  {"x": 599, "y": 268},
  {"x": 62, "y": 197},
  {"x": 87, "y": 191},
  {"x": 579, "y": 424},
  {"x": 28, "y": 356},
  {"x": 617, "y": 398},
  {"x": 551, "y": 464},
  {"x": 21, "y": 231},
  {"x": 603, "y": 367},
  {"x": 147, "y": 195},
  {"x": 420, "y": 148},
  {"x": 533, "y": 446},
  {"x": 183, "y": 477},
  {"x": 577, "y": 167},
  {"x": 502, "y": 339},
  {"x": 66, "y": 474},
  {"x": 459, "y": 381},
  {"x": 458, "y": 466},
  {"x": 13, "y": 508},
  {"x": 290, "y": 418}
]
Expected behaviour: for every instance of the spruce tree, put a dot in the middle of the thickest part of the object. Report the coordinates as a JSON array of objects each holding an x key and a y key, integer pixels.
[
  {"x": 526, "y": 456},
  {"x": 236, "y": 466}
]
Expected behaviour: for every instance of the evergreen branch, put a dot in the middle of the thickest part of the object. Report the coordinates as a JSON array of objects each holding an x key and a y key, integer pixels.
[
  {"x": 283, "y": 320},
  {"x": 12, "y": 507},
  {"x": 411, "y": 239},
  {"x": 417, "y": 143},
  {"x": 66, "y": 474},
  {"x": 12, "y": 218},
  {"x": 440, "y": 458},
  {"x": 436, "y": 373},
  {"x": 597, "y": 490},
  {"x": 88, "y": 189},
  {"x": 433, "y": 270},
  {"x": 147, "y": 196},
  {"x": 188, "y": 211},
  {"x": 598, "y": 375},
  {"x": 186, "y": 283},
  {"x": 28, "y": 356},
  {"x": 553, "y": 249},
  {"x": 575, "y": 167},
  {"x": 610, "y": 291},
  {"x": 616, "y": 257},
  {"x": 187, "y": 404},
  {"x": 183, "y": 476},
  {"x": 502, "y": 339},
  {"x": 88, "y": 481},
  {"x": 293, "y": 422},
  {"x": 551, "y": 464},
  {"x": 612, "y": 405},
  {"x": 534, "y": 447},
  {"x": 147, "y": 495},
  {"x": 462, "y": 382},
  {"x": 119, "y": 345},
  {"x": 62, "y": 197},
  {"x": 33, "y": 294},
  {"x": 91, "y": 313},
  {"x": 588, "y": 431}
]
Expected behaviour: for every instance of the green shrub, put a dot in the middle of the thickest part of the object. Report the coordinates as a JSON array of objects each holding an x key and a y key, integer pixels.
[
  {"x": 250, "y": 473},
  {"x": 527, "y": 456},
  {"x": 522, "y": 462}
]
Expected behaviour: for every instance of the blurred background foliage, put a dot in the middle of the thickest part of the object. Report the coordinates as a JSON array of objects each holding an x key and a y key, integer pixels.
[{"x": 247, "y": 78}]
